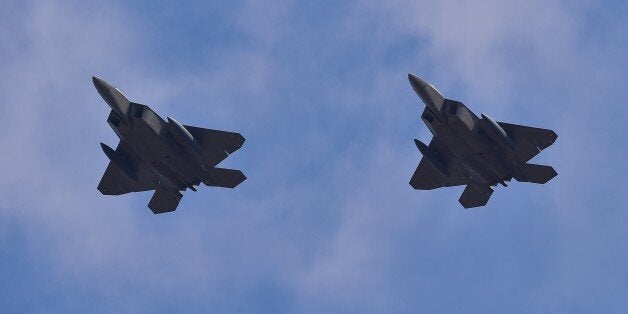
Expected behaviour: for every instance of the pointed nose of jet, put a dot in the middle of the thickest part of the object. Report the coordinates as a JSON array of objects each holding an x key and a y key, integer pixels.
[
  {"x": 113, "y": 97},
  {"x": 429, "y": 95},
  {"x": 416, "y": 82},
  {"x": 100, "y": 84}
]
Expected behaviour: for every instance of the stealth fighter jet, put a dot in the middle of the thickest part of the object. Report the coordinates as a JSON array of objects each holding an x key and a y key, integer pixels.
[
  {"x": 477, "y": 152},
  {"x": 159, "y": 155}
]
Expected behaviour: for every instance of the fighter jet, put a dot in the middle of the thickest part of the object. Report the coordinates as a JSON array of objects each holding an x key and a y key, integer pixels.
[
  {"x": 477, "y": 152},
  {"x": 167, "y": 157}
]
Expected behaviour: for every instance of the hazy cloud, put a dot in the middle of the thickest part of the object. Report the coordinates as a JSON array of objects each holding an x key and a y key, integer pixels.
[{"x": 326, "y": 220}]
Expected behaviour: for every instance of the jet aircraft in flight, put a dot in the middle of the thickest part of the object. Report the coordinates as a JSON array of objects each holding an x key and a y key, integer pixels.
[
  {"x": 159, "y": 155},
  {"x": 477, "y": 152}
]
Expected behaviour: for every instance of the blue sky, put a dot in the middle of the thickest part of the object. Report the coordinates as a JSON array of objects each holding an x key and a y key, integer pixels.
[{"x": 326, "y": 221}]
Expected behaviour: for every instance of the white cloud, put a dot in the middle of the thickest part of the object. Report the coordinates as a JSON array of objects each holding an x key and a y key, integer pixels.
[
  {"x": 325, "y": 216},
  {"x": 512, "y": 60}
]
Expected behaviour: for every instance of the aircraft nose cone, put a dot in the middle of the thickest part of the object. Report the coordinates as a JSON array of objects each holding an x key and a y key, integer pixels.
[
  {"x": 113, "y": 97},
  {"x": 416, "y": 82},
  {"x": 100, "y": 84},
  {"x": 429, "y": 95}
]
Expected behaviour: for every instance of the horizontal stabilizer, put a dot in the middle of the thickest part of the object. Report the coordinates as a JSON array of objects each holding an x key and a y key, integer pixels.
[
  {"x": 536, "y": 174},
  {"x": 224, "y": 178},
  {"x": 164, "y": 201},
  {"x": 475, "y": 195}
]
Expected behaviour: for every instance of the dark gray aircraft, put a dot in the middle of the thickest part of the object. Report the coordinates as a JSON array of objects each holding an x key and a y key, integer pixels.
[
  {"x": 472, "y": 151},
  {"x": 164, "y": 156}
]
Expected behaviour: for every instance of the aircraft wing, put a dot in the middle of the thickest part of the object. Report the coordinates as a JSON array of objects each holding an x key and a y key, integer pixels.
[
  {"x": 115, "y": 182},
  {"x": 217, "y": 145},
  {"x": 426, "y": 177},
  {"x": 529, "y": 141}
]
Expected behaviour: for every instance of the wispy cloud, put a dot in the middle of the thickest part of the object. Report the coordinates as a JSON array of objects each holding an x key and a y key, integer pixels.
[{"x": 326, "y": 220}]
